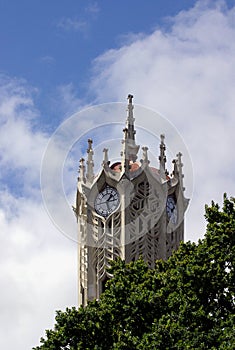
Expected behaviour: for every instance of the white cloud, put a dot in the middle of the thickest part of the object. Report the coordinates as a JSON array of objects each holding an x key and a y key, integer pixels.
[
  {"x": 187, "y": 73},
  {"x": 20, "y": 146},
  {"x": 93, "y": 8},
  {"x": 47, "y": 59},
  {"x": 67, "y": 99},
  {"x": 35, "y": 259},
  {"x": 82, "y": 22},
  {"x": 36, "y": 262},
  {"x": 72, "y": 24}
]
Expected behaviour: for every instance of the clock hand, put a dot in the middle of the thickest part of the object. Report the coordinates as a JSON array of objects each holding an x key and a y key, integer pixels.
[
  {"x": 110, "y": 196},
  {"x": 108, "y": 200},
  {"x": 105, "y": 202},
  {"x": 112, "y": 200}
]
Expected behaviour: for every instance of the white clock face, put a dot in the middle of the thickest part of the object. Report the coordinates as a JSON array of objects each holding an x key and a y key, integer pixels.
[
  {"x": 107, "y": 201},
  {"x": 171, "y": 209}
]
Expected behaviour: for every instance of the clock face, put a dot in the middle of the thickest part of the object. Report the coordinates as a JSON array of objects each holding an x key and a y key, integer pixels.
[
  {"x": 107, "y": 201},
  {"x": 171, "y": 209}
]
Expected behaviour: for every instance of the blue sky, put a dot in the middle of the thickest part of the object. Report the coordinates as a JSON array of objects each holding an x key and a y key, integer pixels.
[
  {"x": 60, "y": 57},
  {"x": 51, "y": 43},
  {"x": 54, "y": 43}
]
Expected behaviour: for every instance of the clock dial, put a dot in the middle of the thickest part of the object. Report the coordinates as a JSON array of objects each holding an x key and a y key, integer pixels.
[
  {"x": 107, "y": 201},
  {"x": 171, "y": 209}
]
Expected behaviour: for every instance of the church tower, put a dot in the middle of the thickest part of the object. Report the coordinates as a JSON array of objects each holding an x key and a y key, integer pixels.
[{"x": 130, "y": 209}]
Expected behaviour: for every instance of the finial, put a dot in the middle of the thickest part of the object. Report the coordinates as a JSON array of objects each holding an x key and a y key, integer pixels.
[
  {"x": 175, "y": 168},
  {"x": 180, "y": 166},
  {"x": 89, "y": 144},
  {"x": 179, "y": 155},
  {"x": 177, "y": 172},
  {"x": 145, "y": 159},
  {"x": 106, "y": 158},
  {"x": 130, "y": 98},
  {"x": 90, "y": 162},
  {"x": 82, "y": 170},
  {"x": 162, "y": 157}
]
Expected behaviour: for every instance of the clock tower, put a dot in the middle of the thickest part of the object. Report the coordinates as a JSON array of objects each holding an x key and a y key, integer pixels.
[{"x": 130, "y": 209}]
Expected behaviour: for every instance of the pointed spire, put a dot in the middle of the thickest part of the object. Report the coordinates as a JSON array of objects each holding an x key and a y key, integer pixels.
[
  {"x": 162, "y": 157},
  {"x": 82, "y": 170},
  {"x": 90, "y": 162},
  {"x": 131, "y": 149},
  {"x": 130, "y": 119}
]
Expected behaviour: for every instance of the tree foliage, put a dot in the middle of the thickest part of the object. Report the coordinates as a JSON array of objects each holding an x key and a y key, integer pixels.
[{"x": 186, "y": 302}]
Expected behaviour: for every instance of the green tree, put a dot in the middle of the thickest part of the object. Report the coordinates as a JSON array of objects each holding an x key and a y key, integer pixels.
[{"x": 186, "y": 302}]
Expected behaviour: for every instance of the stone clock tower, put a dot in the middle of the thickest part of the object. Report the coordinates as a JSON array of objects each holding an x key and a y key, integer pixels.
[{"x": 130, "y": 209}]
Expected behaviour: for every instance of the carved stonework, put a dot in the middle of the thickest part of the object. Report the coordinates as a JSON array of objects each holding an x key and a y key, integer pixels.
[{"x": 129, "y": 210}]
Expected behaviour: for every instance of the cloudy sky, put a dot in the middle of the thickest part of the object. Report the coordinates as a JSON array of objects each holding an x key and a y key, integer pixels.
[{"x": 57, "y": 58}]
